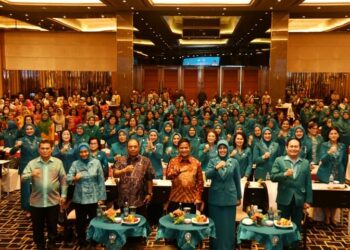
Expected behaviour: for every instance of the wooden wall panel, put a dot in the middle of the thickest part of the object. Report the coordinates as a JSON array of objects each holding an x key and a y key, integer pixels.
[
  {"x": 319, "y": 52},
  {"x": 191, "y": 83},
  {"x": 150, "y": 79},
  {"x": 68, "y": 51},
  {"x": 170, "y": 79},
  {"x": 211, "y": 76},
  {"x": 250, "y": 80},
  {"x": 230, "y": 80}
]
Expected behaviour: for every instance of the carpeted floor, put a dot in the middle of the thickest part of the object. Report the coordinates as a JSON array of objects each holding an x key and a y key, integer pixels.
[{"x": 16, "y": 232}]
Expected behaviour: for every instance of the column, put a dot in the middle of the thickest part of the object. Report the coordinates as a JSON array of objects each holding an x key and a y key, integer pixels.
[
  {"x": 2, "y": 61},
  {"x": 278, "y": 56},
  {"x": 122, "y": 79}
]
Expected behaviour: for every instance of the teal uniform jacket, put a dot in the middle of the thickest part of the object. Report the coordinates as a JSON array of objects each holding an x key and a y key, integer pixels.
[
  {"x": 339, "y": 160},
  {"x": 225, "y": 187},
  {"x": 155, "y": 157},
  {"x": 245, "y": 160},
  {"x": 118, "y": 148},
  {"x": 299, "y": 187},
  {"x": 92, "y": 131},
  {"x": 263, "y": 166},
  {"x": 204, "y": 157}
]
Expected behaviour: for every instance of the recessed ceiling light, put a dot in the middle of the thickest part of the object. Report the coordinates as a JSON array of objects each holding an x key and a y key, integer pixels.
[
  {"x": 42, "y": 20},
  {"x": 252, "y": 29},
  {"x": 124, "y": 1},
  {"x": 179, "y": 13},
  {"x": 142, "y": 19},
  {"x": 27, "y": 19},
  {"x": 318, "y": 7},
  {"x": 132, "y": 7},
  {"x": 1, "y": 6},
  {"x": 266, "y": 13},
  {"x": 88, "y": 7},
  {"x": 346, "y": 16},
  {"x": 64, "y": 16},
  {"x": 271, "y": 8},
  {"x": 260, "y": 19},
  {"x": 223, "y": 14},
  {"x": 137, "y": 12},
  {"x": 10, "y": 14},
  {"x": 303, "y": 16},
  {"x": 177, "y": 8},
  {"x": 248, "y": 33},
  {"x": 26, "y": 14},
  {"x": 146, "y": 24},
  {"x": 63, "y": 28},
  {"x": 224, "y": 8},
  {"x": 256, "y": 24},
  {"x": 103, "y": 16}
]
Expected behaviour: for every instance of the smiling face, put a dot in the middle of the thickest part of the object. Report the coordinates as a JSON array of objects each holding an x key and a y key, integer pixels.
[
  {"x": 267, "y": 135},
  {"x": 222, "y": 150}
]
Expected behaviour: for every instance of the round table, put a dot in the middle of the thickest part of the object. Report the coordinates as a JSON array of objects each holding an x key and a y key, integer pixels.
[
  {"x": 101, "y": 228},
  {"x": 272, "y": 237},
  {"x": 186, "y": 235}
]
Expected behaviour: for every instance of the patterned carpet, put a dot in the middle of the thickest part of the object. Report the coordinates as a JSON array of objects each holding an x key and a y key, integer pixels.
[{"x": 16, "y": 232}]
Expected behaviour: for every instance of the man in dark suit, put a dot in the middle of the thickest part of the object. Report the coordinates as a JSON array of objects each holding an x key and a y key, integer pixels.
[{"x": 294, "y": 182}]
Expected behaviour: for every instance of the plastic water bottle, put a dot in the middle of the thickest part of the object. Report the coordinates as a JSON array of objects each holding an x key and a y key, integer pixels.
[
  {"x": 126, "y": 209},
  {"x": 331, "y": 179},
  {"x": 268, "y": 176}
]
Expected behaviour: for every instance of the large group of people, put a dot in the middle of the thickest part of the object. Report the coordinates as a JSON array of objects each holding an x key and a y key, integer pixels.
[{"x": 228, "y": 138}]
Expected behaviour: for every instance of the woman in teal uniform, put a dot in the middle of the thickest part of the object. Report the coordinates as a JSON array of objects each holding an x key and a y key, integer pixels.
[
  {"x": 333, "y": 159},
  {"x": 224, "y": 195},
  {"x": 264, "y": 154},
  {"x": 28, "y": 145},
  {"x": 119, "y": 148},
  {"x": 242, "y": 154},
  {"x": 153, "y": 149},
  {"x": 208, "y": 150}
]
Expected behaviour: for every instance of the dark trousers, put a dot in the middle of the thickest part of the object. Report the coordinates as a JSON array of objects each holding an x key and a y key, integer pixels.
[
  {"x": 40, "y": 215},
  {"x": 292, "y": 211},
  {"x": 84, "y": 214}
]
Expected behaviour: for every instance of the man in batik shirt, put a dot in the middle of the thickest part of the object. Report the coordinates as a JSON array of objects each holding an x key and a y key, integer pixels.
[
  {"x": 185, "y": 172},
  {"x": 136, "y": 174}
]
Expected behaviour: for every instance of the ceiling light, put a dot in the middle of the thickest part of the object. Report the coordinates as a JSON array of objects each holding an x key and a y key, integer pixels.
[
  {"x": 103, "y": 16},
  {"x": 137, "y": 12},
  {"x": 26, "y": 14},
  {"x": 1, "y": 6},
  {"x": 224, "y": 9},
  {"x": 88, "y": 7},
  {"x": 318, "y": 7},
  {"x": 203, "y": 41},
  {"x": 177, "y": 8},
  {"x": 200, "y": 2},
  {"x": 10, "y": 23},
  {"x": 64, "y": 17},
  {"x": 271, "y": 8},
  {"x": 42, "y": 20},
  {"x": 10, "y": 14},
  {"x": 325, "y": 2},
  {"x": 132, "y": 7},
  {"x": 261, "y": 40},
  {"x": 57, "y": 2},
  {"x": 143, "y": 42},
  {"x": 124, "y": 1}
]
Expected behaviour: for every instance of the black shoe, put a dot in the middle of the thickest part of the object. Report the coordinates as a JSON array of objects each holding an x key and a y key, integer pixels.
[
  {"x": 52, "y": 246},
  {"x": 40, "y": 246}
]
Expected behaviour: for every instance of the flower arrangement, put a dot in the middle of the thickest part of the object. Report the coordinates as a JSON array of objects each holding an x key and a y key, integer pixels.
[
  {"x": 258, "y": 218},
  {"x": 111, "y": 214}
]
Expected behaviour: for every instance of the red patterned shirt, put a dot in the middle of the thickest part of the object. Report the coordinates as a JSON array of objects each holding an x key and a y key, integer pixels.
[{"x": 187, "y": 179}]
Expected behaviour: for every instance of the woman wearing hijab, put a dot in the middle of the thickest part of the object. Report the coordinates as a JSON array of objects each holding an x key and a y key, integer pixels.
[
  {"x": 119, "y": 148},
  {"x": 46, "y": 127},
  {"x": 166, "y": 134},
  {"x": 344, "y": 128},
  {"x": 283, "y": 135},
  {"x": 59, "y": 120},
  {"x": 153, "y": 149},
  {"x": 224, "y": 195},
  {"x": 315, "y": 140},
  {"x": 172, "y": 150},
  {"x": 28, "y": 145},
  {"x": 87, "y": 176},
  {"x": 255, "y": 137},
  {"x": 79, "y": 136},
  {"x": 140, "y": 134},
  {"x": 10, "y": 134},
  {"x": 306, "y": 146},
  {"x": 242, "y": 153},
  {"x": 194, "y": 140},
  {"x": 264, "y": 154},
  {"x": 333, "y": 157}
]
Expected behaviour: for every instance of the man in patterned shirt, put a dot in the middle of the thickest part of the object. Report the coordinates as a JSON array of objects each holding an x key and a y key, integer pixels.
[
  {"x": 49, "y": 191},
  {"x": 187, "y": 179},
  {"x": 136, "y": 178}
]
